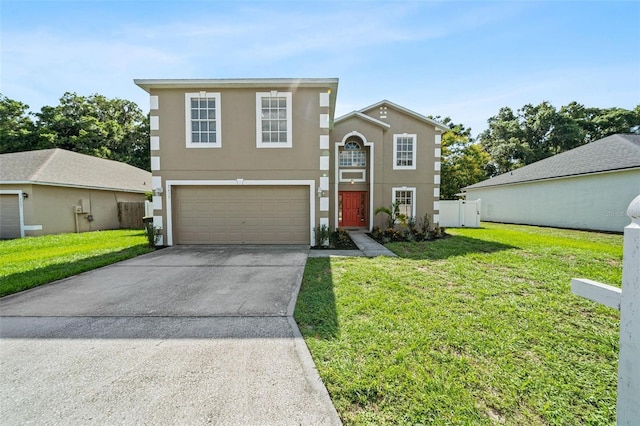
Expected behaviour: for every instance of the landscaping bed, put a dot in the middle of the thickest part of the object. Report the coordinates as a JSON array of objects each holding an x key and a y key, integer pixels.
[
  {"x": 478, "y": 328},
  {"x": 336, "y": 240}
]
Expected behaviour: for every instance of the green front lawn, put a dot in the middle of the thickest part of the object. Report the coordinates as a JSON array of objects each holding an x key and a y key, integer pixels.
[
  {"x": 32, "y": 261},
  {"x": 479, "y": 328}
]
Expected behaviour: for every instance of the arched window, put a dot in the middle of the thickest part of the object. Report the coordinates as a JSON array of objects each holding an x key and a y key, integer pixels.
[
  {"x": 352, "y": 146},
  {"x": 352, "y": 155}
]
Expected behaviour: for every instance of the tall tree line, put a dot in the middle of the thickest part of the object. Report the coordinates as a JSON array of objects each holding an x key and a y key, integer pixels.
[
  {"x": 115, "y": 129},
  {"x": 516, "y": 138},
  {"x": 118, "y": 130}
]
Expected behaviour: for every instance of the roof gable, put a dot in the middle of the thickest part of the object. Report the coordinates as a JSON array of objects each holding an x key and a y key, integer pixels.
[
  {"x": 615, "y": 152},
  {"x": 407, "y": 111},
  {"x": 65, "y": 168},
  {"x": 365, "y": 117}
]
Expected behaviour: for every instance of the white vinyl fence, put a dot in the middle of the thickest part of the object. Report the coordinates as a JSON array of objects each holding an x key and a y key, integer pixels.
[
  {"x": 459, "y": 214},
  {"x": 627, "y": 300}
]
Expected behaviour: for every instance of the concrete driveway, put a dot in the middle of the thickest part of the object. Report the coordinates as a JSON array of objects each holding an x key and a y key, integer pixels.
[{"x": 184, "y": 335}]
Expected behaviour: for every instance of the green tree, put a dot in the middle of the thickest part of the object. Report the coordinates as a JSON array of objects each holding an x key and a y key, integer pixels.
[
  {"x": 108, "y": 128},
  {"x": 464, "y": 162},
  {"x": 536, "y": 132},
  {"x": 599, "y": 123},
  {"x": 16, "y": 126},
  {"x": 505, "y": 142}
]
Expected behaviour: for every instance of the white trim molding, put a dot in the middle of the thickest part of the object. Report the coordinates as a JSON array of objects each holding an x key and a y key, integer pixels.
[
  {"x": 324, "y": 183},
  {"x": 370, "y": 166},
  {"x": 153, "y": 102},
  {"x": 324, "y": 142},
  {"x": 188, "y": 120},
  {"x": 289, "y": 117},
  {"x": 241, "y": 182},
  {"x": 362, "y": 178},
  {"x": 324, "y": 121},
  {"x": 413, "y": 196},
  {"x": 19, "y": 194},
  {"x": 324, "y": 162},
  {"x": 414, "y": 149},
  {"x": 154, "y": 122},
  {"x": 324, "y": 99},
  {"x": 154, "y": 143},
  {"x": 155, "y": 163}
]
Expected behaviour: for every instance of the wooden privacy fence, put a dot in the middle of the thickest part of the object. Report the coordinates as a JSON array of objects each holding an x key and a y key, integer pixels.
[
  {"x": 130, "y": 214},
  {"x": 627, "y": 300}
]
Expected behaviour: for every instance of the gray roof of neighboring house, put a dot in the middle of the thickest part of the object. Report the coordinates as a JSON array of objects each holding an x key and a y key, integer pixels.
[
  {"x": 60, "y": 167},
  {"x": 615, "y": 152}
]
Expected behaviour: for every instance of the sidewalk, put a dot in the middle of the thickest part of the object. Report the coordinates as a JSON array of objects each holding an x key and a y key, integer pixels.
[{"x": 367, "y": 247}]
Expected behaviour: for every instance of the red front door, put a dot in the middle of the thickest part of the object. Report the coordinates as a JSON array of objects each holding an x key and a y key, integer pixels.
[{"x": 353, "y": 208}]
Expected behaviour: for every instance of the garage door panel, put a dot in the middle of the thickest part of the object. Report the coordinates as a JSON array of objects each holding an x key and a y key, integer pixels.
[
  {"x": 241, "y": 215},
  {"x": 9, "y": 216}
]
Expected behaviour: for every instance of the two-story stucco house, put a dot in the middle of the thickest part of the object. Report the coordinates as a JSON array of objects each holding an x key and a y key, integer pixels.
[{"x": 262, "y": 161}]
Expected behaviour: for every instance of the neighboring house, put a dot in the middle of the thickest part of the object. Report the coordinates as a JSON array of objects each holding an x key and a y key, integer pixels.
[
  {"x": 55, "y": 191},
  {"x": 262, "y": 161},
  {"x": 588, "y": 187}
]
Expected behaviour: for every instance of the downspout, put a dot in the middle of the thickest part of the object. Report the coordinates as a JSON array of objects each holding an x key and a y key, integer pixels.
[{"x": 75, "y": 214}]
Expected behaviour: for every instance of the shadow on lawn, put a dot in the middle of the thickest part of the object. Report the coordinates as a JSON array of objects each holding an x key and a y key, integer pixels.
[
  {"x": 448, "y": 247},
  {"x": 316, "y": 307}
]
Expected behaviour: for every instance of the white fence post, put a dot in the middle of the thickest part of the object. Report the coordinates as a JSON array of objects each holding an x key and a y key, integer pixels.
[
  {"x": 627, "y": 300},
  {"x": 629, "y": 364}
]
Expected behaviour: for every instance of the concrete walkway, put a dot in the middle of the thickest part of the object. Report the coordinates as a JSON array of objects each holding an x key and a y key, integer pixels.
[
  {"x": 369, "y": 246},
  {"x": 184, "y": 335}
]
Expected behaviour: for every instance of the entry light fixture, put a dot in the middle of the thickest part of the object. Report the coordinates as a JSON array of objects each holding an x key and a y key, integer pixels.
[
  {"x": 157, "y": 191},
  {"x": 319, "y": 192},
  {"x": 352, "y": 181},
  {"x": 25, "y": 195}
]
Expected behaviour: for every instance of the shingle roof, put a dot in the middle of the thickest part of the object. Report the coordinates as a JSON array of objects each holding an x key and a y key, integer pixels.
[
  {"x": 65, "y": 168},
  {"x": 615, "y": 152}
]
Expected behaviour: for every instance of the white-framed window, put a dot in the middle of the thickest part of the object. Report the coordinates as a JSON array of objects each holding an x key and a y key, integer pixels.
[
  {"x": 273, "y": 120},
  {"x": 407, "y": 198},
  {"x": 202, "y": 113},
  {"x": 404, "y": 152},
  {"x": 352, "y": 155}
]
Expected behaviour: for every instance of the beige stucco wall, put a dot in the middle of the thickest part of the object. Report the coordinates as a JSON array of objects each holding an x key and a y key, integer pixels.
[
  {"x": 238, "y": 157},
  {"x": 384, "y": 176},
  {"x": 52, "y": 208},
  {"x": 597, "y": 201}
]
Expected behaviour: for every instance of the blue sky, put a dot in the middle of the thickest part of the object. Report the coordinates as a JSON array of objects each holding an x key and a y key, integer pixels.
[{"x": 465, "y": 60}]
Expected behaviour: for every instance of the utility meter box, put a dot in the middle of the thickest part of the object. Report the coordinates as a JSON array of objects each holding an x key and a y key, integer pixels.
[{"x": 85, "y": 205}]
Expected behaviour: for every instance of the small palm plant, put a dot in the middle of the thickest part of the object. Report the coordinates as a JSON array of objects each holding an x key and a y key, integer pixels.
[{"x": 393, "y": 214}]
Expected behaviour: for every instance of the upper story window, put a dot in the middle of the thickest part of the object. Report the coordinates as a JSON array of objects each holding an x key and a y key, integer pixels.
[
  {"x": 404, "y": 152},
  {"x": 273, "y": 123},
  {"x": 202, "y": 111},
  {"x": 352, "y": 155}
]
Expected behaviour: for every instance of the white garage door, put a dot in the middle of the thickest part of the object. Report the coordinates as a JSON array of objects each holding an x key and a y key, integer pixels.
[
  {"x": 9, "y": 216},
  {"x": 240, "y": 215}
]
